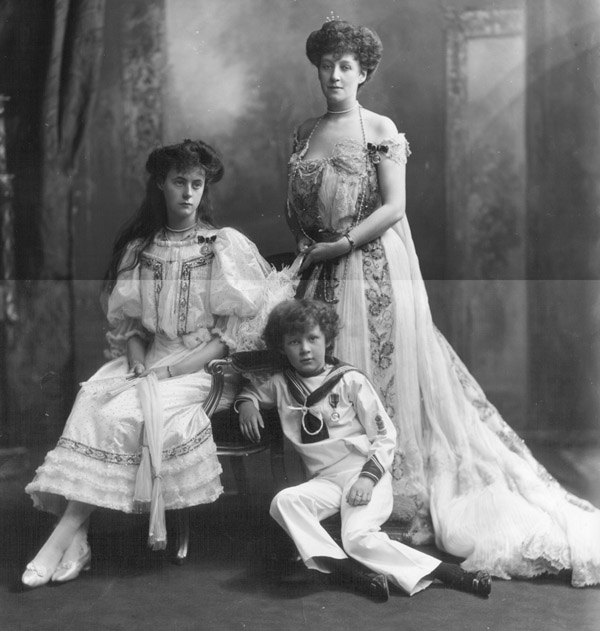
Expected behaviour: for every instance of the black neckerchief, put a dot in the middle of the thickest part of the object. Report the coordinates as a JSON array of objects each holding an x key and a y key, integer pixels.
[{"x": 313, "y": 429}]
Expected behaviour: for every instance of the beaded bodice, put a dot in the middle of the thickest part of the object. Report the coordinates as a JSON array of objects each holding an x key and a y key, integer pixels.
[{"x": 326, "y": 194}]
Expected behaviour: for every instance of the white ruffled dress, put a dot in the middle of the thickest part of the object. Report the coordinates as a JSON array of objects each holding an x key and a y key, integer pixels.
[{"x": 179, "y": 296}]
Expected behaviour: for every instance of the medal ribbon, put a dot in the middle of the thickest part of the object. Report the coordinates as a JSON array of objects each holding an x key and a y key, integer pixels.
[{"x": 312, "y": 428}]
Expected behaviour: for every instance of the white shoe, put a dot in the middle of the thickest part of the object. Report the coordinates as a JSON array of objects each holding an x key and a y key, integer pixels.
[
  {"x": 36, "y": 575},
  {"x": 70, "y": 570}
]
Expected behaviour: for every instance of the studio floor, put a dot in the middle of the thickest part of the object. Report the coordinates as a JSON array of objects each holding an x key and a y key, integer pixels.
[{"x": 227, "y": 583}]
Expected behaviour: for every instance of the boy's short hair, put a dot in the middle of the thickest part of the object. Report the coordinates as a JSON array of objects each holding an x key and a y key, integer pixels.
[{"x": 298, "y": 316}]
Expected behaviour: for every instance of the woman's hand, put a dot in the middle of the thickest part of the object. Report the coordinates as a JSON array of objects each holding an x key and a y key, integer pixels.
[
  {"x": 324, "y": 251},
  {"x": 251, "y": 421},
  {"x": 360, "y": 492},
  {"x": 303, "y": 243}
]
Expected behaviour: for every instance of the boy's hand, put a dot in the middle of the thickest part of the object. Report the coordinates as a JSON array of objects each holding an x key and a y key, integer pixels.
[
  {"x": 251, "y": 421},
  {"x": 360, "y": 492}
]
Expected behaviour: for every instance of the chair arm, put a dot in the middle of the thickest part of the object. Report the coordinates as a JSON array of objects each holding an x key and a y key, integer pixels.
[
  {"x": 248, "y": 362},
  {"x": 215, "y": 368},
  {"x": 258, "y": 361},
  {"x": 238, "y": 363}
]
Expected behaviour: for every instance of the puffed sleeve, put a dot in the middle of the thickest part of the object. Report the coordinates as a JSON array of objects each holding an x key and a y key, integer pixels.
[
  {"x": 124, "y": 309},
  {"x": 244, "y": 289},
  {"x": 238, "y": 274}
]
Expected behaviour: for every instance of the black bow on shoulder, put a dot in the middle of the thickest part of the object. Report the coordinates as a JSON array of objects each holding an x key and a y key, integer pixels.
[{"x": 375, "y": 150}]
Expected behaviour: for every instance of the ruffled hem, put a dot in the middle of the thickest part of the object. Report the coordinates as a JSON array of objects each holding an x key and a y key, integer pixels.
[
  {"x": 187, "y": 480},
  {"x": 497, "y": 530}
]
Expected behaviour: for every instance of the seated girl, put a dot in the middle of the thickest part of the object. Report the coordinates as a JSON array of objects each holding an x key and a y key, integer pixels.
[{"x": 181, "y": 293}]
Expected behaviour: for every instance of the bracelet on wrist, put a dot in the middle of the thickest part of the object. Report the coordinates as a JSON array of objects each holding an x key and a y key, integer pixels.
[
  {"x": 169, "y": 371},
  {"x": 351, "y": 242}
]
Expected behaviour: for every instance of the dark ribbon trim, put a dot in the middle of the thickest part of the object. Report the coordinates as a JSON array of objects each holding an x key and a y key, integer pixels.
[
  {"x": 313, "y": 429},
  {"x": 372, "y": 469}
]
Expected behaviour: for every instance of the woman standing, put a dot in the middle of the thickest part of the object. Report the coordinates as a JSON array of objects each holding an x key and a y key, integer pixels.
[
  {"x": 182, "y": 293},
  {"x": 461, "y": 475}
]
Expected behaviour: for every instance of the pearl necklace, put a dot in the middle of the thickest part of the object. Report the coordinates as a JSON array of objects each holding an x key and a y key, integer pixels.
[
  {"x": 180, "y": 229},
  {"x": 344, "y": 111}
]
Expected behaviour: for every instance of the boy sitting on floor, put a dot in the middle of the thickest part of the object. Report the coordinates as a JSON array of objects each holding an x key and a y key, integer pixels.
[{"x": 334, "y": 419}]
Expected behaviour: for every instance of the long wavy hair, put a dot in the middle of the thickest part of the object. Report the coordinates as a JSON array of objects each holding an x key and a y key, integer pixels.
[{"x": 151, "y": 216}]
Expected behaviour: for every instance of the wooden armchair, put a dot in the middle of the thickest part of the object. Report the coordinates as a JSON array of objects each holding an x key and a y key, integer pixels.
[{"x": 228, "y": 437}]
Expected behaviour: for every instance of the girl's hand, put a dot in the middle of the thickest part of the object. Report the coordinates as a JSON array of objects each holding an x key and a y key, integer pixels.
[
  {"x": 137, "y": 368},
  {"x": 360, "y": 492},
  {"x": 324, "y": 251},
  {"x": 161, "y": 373},
  {"x": 251, "y": 421}
]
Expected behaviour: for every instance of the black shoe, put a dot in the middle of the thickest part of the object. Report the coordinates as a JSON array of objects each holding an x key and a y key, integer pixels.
[
  {"x": 478, "y": 583},
  {"x": 379, "y": 590},
  {"x": 351, "y": 573},
  {"x": 374, "y": 585}
]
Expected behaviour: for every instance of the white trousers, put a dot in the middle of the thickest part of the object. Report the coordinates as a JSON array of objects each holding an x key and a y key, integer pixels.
[{"x": 299, "y": 510}]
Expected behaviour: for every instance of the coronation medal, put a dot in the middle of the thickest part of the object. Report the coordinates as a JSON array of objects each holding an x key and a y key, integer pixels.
[
  {"x": 205, "y": 244},
  {"x": 334, "y": 399}
]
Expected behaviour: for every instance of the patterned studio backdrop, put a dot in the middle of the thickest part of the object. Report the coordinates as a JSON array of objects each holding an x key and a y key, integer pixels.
[{"x": 236, "y": 75}]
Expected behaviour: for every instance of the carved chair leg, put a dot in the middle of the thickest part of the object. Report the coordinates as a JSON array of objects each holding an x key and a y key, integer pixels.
[
  {"x": 239, "y": 473},
  {"x": 278, "y": 471},
  {"x": 183, "y": 535}
]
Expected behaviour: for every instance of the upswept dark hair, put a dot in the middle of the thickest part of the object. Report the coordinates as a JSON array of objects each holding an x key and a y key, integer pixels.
[
  {"x": 338, "y": 37},
  {"x": 151, "y": 216},
  {"x": 298, "y": 316}
]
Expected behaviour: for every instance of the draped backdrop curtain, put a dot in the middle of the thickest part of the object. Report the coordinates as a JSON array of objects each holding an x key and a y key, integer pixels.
[
  {"x": 70, "y": 90},
  {"x": 52, "y": 51}
]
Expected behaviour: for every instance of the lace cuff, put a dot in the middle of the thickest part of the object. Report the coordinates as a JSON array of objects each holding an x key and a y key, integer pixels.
[{"x": 118, "y": 337}]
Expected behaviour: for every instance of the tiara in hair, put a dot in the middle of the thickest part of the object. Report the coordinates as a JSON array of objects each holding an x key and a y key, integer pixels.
[{"x": 332, "y": 18}]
